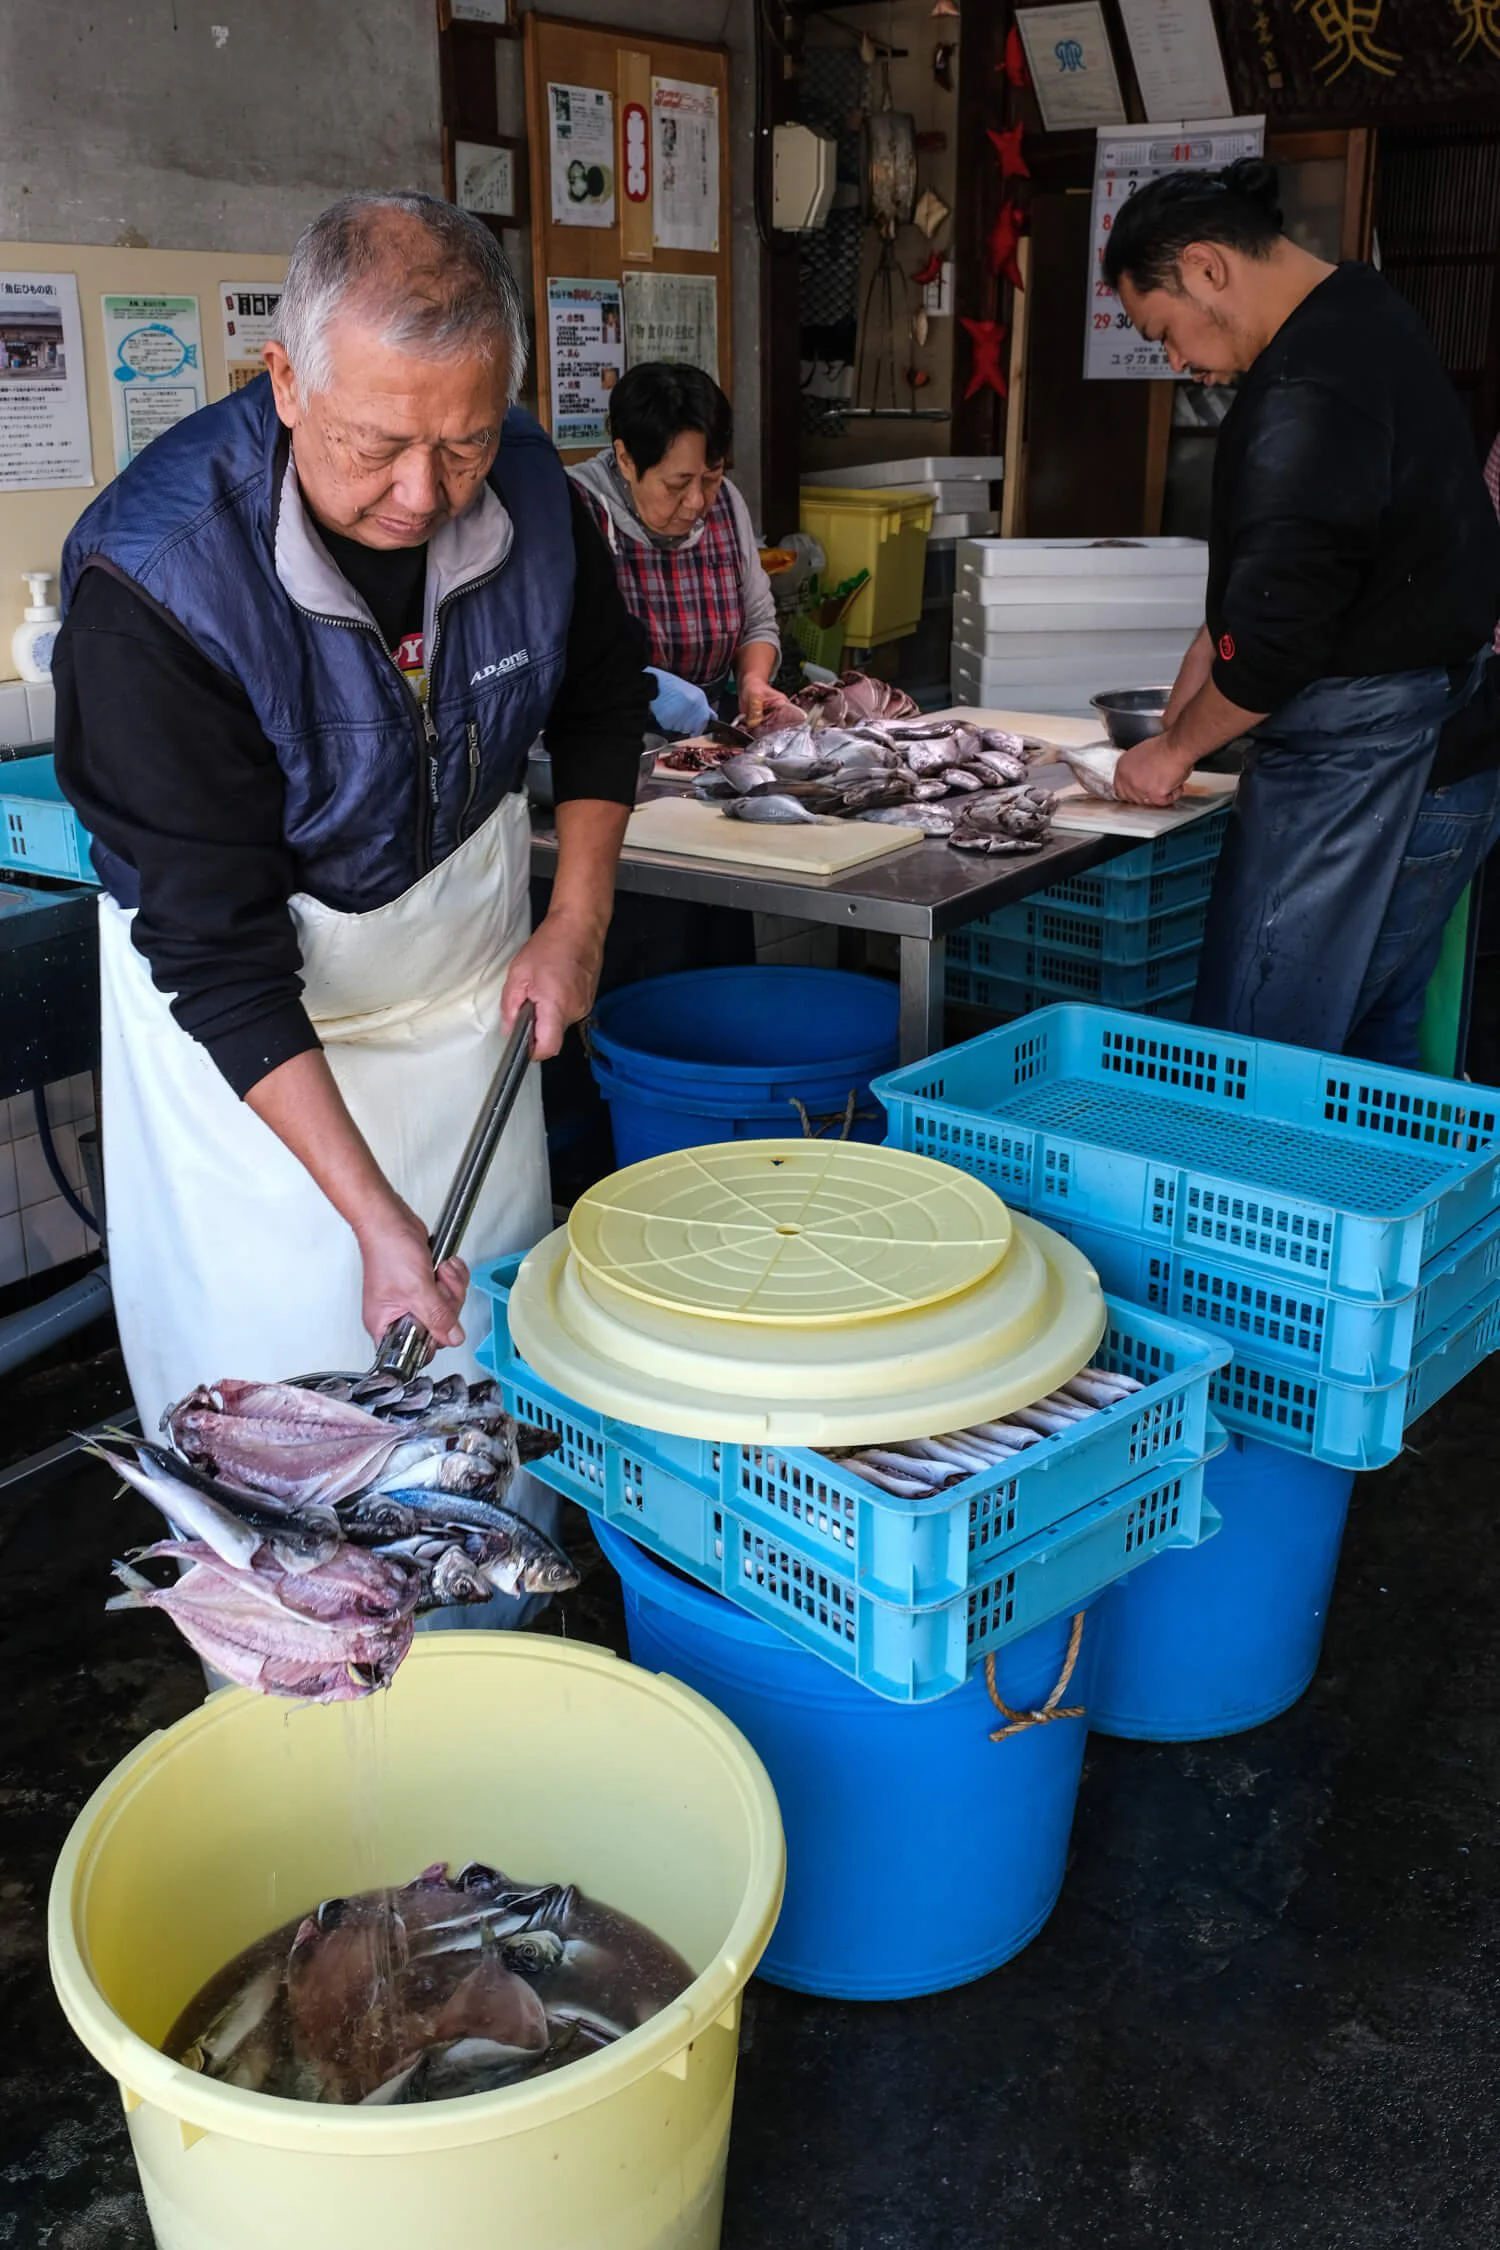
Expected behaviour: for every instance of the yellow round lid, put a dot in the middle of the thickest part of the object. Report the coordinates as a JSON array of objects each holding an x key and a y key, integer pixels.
[
  {"x": 898, "y": 1308},
  {"x": 800, "y": 1232}
]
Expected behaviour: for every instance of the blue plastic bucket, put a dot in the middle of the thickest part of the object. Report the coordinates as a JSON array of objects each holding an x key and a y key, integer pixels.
[
  {"x": 724, "y": 1054},
  {"x": 920, "y": 1854},
  {"x": 1229, "y": 1635}
]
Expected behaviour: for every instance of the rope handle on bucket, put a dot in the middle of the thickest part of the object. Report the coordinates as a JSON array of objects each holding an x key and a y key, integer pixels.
[
  {"x": 813, "y": 1128},
  {"x": 1021, "y": 1720}
]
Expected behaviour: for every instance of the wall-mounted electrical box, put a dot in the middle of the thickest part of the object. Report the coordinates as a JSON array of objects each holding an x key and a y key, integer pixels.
[{"x": 802, "y": 173}]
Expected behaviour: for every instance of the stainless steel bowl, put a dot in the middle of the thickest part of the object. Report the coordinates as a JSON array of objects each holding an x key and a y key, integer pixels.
[
  {"x": 539, "y": 776},
  {"x": 1131, "y": 715}
]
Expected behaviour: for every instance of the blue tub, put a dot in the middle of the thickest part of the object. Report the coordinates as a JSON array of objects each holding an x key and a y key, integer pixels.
[
  {"x": 920, "y": 1854},
  {"x": 725, "y": 1054},
  {"x": 1226, "y": 1637}
]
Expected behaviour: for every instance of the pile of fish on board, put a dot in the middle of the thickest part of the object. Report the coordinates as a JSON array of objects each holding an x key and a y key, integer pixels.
[
  {"x": 913, "y": 1468},
  {"x": 861, "y": 750},
  {"x": 310, "y": 1525},
  {"x": 451, "y": 1985}
]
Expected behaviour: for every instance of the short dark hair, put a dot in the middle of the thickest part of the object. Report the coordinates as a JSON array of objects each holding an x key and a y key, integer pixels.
[
  {"x": 654, "y": 403},
  {"x": 1237, "y": 208}
]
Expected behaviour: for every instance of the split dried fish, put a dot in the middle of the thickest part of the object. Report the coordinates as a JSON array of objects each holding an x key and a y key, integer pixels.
[{"x": 915, "y": 1468}]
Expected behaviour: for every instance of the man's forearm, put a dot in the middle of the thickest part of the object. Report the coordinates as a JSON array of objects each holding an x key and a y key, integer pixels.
[
  {"x": 1194, "y": 669},
  {"x": 590, "y": 832},
  {"x": 301, "y": 1103},
  {"x": 1206, "y": 722}
]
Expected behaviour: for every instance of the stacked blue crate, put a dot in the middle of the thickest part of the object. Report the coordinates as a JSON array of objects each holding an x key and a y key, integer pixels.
[
  {"x": 1334, "y": 1221},
  {"x": 1127, "y": 935}
]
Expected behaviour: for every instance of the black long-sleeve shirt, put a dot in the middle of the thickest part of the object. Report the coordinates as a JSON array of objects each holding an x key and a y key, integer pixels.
[
  {"x": 160, "y": 752},
  {"x": 1351, "y": 532}
]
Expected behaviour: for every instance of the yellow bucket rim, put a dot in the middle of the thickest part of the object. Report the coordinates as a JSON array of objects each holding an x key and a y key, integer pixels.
[{"x": 146, "y": 2075}]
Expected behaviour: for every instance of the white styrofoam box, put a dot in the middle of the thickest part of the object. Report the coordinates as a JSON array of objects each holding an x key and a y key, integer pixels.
[
  {"x": 15, "y": 719},
  {"x": 964, "y": 526},
  {"x": 1085, "y": 558},
  {"x": 1100, "y": 651},
  {"x": 41, "y": 709},
  {"x": 928, "y": 469},
  {"x": 1027, "y": 601},
  {"x": 1016, "y": 681}
]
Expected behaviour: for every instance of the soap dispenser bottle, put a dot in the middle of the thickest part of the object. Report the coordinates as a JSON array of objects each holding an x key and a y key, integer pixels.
[{"x": 32, "y": 641}]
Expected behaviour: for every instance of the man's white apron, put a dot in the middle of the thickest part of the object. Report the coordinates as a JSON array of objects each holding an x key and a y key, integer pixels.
[{"x": 225, "y": 1256}]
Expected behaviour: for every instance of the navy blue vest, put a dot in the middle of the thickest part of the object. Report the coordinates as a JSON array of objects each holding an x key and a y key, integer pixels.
[{"x": 374, "y": 798}]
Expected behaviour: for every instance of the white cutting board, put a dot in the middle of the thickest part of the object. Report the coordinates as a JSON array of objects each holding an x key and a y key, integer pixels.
[
  {"x": 1073, "y": 808},
  {"x": 693, "y": 830}
]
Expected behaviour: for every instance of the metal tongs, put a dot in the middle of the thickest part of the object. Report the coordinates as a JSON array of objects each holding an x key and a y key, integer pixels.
[{"x": 406, "y": 1345}]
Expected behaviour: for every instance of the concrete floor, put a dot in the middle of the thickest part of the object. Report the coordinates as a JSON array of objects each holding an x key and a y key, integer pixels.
[{"x": 1265, "y": 2014}]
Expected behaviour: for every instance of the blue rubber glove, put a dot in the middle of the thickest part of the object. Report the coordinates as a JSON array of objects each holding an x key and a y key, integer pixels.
[{"x": 679, "y": 708}]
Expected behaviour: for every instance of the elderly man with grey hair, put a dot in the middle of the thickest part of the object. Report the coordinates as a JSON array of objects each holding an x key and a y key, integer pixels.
[{"x": 311, "y": 635}]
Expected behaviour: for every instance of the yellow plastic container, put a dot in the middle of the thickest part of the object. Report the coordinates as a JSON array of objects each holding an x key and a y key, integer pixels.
[
  {"x": 883, "y": 532},
  {"x": 550, "y": 1761}
]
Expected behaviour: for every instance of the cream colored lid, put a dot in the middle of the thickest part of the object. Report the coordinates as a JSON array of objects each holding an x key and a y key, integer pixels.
[{"x": 804, "y": 1293}]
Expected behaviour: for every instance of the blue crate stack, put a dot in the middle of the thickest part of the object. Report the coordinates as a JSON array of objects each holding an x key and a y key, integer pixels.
[
  {"x": 1337, "y": 1222},
  {"x": 1126, "y": 936}
]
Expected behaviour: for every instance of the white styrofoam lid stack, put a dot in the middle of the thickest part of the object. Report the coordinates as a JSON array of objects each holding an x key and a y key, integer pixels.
[{"x": 802, "y": 1293}]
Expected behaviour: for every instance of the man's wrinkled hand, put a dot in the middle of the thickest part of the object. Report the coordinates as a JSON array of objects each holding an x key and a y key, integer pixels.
[
  {"x": 398, "y": 1277},
  {"x": 558, "y": 971},
  {"x": 1153, "y": 773}
]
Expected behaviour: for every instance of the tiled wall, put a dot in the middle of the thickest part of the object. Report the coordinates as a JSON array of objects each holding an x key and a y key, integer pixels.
[
  {"x": 38, "y": 1229},
  {"x": 25, "y": 712}
]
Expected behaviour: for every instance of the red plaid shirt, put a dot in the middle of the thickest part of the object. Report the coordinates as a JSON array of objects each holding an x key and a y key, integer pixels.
[{"x": 691, "y": 599}]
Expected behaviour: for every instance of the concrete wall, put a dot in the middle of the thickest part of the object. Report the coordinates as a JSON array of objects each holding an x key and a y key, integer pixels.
[
  {"x": 208, "y": 124},
  {"x": 226, "y": 124}
]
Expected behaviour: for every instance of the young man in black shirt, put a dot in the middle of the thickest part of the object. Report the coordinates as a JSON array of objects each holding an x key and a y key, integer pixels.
[{"x": 1353, "y": 587}]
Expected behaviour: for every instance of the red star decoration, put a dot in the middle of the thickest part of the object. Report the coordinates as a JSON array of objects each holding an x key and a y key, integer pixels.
[
  {"x": 1007, "y": 147},
  {"x": 929, "y": 270},
  {"x": 988, "y": 337},
  {"x": 1005, "y": 234},
  {"x": 1014, "y": 65}
]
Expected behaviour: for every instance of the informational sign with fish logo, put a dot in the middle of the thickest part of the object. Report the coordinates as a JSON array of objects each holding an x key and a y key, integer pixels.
[{"x": 154, "y": 351}]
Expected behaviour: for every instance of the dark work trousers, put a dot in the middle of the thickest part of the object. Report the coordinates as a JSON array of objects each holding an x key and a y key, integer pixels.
[{"x": 1341, "y": 868}]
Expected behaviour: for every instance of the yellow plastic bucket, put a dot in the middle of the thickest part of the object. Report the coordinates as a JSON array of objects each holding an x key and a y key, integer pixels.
[
  {"x": 551, "y": 1761},
  {"x": 883, "y": 532}
]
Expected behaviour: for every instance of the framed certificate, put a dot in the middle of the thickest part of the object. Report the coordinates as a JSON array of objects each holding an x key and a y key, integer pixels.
[{"x": 486, "y": 177}]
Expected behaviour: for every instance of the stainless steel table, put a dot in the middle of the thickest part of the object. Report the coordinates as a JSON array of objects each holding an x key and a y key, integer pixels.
[{"x": 917, "y": 895}]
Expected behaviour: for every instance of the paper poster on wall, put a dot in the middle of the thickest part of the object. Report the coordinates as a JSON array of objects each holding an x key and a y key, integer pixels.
[
  {"x": 672, "y": 316},
  {"x": 1124, "y": 161},
  {"x": 1072, "y": 66},
  {"x": 581, "y": 143},
  {"x": 1175, "y": 48},
  {"x": 684, "y": 165},
  {"x": 154, "y": 352},
  {"x": 248, "y": 311},
  {"x": 44, "y": 408},
  {"x": 586, "y": 351}
]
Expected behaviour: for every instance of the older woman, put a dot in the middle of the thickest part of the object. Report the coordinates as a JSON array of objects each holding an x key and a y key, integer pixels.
[{"x": 684, "y": 550}]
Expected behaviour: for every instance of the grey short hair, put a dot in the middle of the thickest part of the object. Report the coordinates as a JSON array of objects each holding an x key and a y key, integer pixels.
[{"x": 461, "y": 300}]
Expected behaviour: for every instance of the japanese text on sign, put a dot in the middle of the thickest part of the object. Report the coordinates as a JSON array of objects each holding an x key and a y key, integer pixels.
[{"x": 1124, "y": 160}]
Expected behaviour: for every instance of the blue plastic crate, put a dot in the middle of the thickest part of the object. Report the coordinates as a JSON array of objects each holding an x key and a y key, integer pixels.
[
  {"x": 1344, "y": 1173},
  {"x": 912, "y": 1553},
  {"x": 1187, "y": 856},
  {"x": 40, "y": 834},
  {"x": 1129, "y": 898},
  {"x": 907, "y": 1655},
  {"x": 1294, "y": 1321},
  {"x": 1344, "y": 1424},
  {"x": 1006, "y": 996},
  {"x": 1075, "y": 975},
  {"x": 1036, "y": 926}
]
